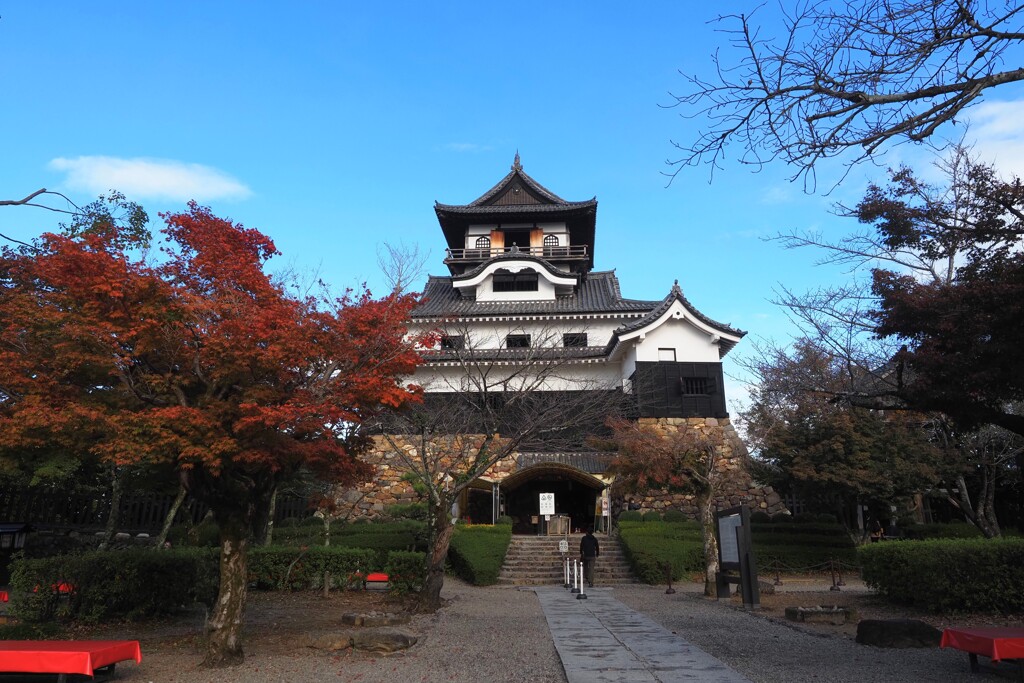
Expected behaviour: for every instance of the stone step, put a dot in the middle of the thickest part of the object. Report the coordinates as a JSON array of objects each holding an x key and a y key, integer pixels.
[{"x": 536, "y": 560}]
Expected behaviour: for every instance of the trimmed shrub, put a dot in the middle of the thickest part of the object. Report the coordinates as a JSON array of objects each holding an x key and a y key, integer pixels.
[
  {"x": 649, "y": 546},
  {"x": 125, "y": 584},
  {"x": 674, "y": 516},
  {"x": 406, "y": 571},
  {"x": 304, "y": 568},
  {"x": 922, "y": 532},
  {"x": 631, "y": 516},
  {"x": 416, "y": 511},
  {"x": 973, "y": 575},
  {"x": 477, "y": 552},
  {"x": 505, "y": 520}
]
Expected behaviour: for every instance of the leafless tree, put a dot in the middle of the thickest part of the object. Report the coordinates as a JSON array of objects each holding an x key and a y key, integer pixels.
[
  {"x": 986, "y": 457},
  {"x": 483, "y": 405},
  {"x": 845, "y": 79}
]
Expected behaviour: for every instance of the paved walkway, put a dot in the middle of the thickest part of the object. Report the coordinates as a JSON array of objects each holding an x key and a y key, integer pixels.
[{"x": 600, "y": 639}]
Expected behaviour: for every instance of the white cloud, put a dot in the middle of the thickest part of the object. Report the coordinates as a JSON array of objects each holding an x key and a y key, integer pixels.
[
  {"x": 149, "y": 178},
  {"x": 998, "y": 135}
]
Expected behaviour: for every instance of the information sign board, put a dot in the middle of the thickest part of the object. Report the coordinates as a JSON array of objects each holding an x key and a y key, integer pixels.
[
  {"x": 727, "y": 526},
  {"x": 547, "y": 503}
]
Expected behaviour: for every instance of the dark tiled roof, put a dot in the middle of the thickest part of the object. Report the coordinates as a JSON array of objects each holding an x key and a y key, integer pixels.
[
  {"x": 677, "y": 295},
  {"x": 592, "y": 463},
  {"x": 539, "y": 199},
  {"x": 533, "y": 353},
  {"x": 597, "y": 293},
  {"x": 513, "y": 209}
]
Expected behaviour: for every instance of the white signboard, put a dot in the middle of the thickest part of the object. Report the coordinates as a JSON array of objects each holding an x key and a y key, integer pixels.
[
  {"x": 563, "y": 546},
  {"x": 727, "y": 527},
  {"x": 547, "y": 503},
  {"x": 606, "y": 503}
]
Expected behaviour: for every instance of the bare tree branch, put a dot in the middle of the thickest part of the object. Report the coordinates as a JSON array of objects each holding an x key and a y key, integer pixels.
[{"x": 845, "y": 80}]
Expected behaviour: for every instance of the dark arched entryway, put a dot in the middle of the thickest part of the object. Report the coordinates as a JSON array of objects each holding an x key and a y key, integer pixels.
[{"x": 576, "y": 494}]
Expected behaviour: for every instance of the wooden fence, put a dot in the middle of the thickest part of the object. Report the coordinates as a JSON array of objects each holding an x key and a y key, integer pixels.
[{"x": 144, "y": 513}]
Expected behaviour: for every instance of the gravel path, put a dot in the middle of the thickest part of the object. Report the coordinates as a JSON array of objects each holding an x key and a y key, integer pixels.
[
  {"x": 771, "y": 651},
  {"x": 501, "y": 635},
  {"x": 483, "y": 635}
]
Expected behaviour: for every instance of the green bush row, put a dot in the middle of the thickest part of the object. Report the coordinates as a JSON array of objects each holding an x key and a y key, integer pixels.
[
  {"x": 139, "y": 582},
  {"x": 973, "y": 575},
  {"x": 649, "y": 545},
  {"x": 921, "y": 532},
  {"x": 277, "y": 568},
  {"x": 97, "y": 586},
  {"x": 679, "y": 548},
  {"x": 477, "y": 552}
]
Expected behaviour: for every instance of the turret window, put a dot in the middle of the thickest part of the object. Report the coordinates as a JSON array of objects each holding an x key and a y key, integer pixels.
[
  {"x": 526, "y": 281},
  {"x": 483, "y": 247},
  {"x": 551, "y": 247}
]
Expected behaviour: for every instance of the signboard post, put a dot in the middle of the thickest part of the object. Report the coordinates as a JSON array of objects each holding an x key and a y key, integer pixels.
[
  {"x": 547, "y": 508},
  {"x": 736, "y": 553}
]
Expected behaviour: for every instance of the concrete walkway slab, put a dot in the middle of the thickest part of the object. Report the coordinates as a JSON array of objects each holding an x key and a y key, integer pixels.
[{"x": 601, "y": 640}]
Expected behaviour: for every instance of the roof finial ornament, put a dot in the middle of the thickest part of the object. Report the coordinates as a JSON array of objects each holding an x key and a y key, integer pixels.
[{"x": 516, "y": 166}]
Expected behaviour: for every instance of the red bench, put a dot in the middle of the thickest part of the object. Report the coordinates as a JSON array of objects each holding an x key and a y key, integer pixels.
[
  {"x": 63, "y": 657},
  {"x": 995, "y": 642}
]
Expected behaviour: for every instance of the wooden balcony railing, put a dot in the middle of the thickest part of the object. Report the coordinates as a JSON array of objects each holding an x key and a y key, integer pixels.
[{"x": 577, "y": 251}]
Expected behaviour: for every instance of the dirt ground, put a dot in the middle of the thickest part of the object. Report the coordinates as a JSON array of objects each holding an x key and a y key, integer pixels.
[
  {"x": 275, "y": 622},
  {"x": 812, "y": 592}
]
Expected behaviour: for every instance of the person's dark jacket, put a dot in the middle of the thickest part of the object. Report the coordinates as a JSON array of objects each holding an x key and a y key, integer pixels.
[{"x": 589, "y": 546}]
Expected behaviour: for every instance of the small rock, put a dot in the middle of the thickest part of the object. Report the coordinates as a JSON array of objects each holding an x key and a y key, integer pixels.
[
  {"x": 897, "y": 633},
  {"x": 383, "y": 641},
  {"x": 332, "y": 642}
]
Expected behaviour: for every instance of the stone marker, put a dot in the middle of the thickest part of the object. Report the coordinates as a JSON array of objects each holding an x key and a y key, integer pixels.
[
  {"x": 383, "y": 640},
  {"x": 897, "y": 633}
]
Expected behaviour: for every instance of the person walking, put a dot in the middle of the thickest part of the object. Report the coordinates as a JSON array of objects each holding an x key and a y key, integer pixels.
[{"x": 590, "y": 550}]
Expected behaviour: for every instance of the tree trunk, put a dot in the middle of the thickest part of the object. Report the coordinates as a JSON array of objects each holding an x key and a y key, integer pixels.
[
  {"x": 706, "y": 503},
  {"x": 115, "y": 508},
  {"x": 225, "y": 625},
  {"x": 983, "y": 515},
  {"x": 263, "y": 525},
  {"x": 441, "y": 537},
  {"x": 171, "y": 514}
]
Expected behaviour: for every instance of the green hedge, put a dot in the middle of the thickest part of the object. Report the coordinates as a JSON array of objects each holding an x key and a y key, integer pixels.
[
  {"x": 127, "y": 584},
  {"x": 276, "y": 568},
  {"x": 973, "y": 575},
  {"x": 649, "y": 546},
  {"x": 922, "y": 532},
  {"x": 477, "y": 552},
  {"x": 786, "y": 546},
  {"x": 406, "y": 571}
]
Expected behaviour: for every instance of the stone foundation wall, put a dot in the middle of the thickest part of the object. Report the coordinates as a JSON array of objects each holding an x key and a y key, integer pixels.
[
  {"x": 371, "y": 499},
  {"x": 737, "y": 487}
]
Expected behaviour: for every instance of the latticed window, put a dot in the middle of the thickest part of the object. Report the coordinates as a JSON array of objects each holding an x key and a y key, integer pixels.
[
  {"x": 483, "y": 242},
  {"x": 550, "y": 240}
]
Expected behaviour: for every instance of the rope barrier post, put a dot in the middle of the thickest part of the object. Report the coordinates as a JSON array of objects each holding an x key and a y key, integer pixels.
[
  {"x": 575, "y": 576},
  {"x": 832, "y": 567},
  {"x": 778, "y": 577},
  {"x": 668, "y": 578},
  {"x": 565, "y": 567},
  {"x": 839, "y": 564}
]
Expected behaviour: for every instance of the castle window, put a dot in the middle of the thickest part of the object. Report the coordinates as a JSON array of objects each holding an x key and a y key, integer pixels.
[
  {"x": 453, "y": 342},
  {"x": 574, "y": 339},
  {"x": 551, "y": 247},
  {"x": 693, "y": 386},
  {"x": 667, "y": 355},
  {"x": 517, "y": 341},
  {"x": 526, "y": 281},
  {"x": 483, "y": 247}
]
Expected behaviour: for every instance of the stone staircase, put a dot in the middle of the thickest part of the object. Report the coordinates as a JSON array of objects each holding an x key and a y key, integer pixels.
[{"x": 535, "y": 561}]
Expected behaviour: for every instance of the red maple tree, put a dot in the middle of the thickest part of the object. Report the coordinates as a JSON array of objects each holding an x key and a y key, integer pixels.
[{"x": 199, "y": 358}]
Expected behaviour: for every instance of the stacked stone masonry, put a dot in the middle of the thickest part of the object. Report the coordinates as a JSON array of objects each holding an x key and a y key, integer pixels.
[{"x": 388, "y": 488}]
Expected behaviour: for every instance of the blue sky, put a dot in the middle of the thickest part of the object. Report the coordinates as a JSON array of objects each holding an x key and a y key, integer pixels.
[{"x": 334, "y": 126}]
